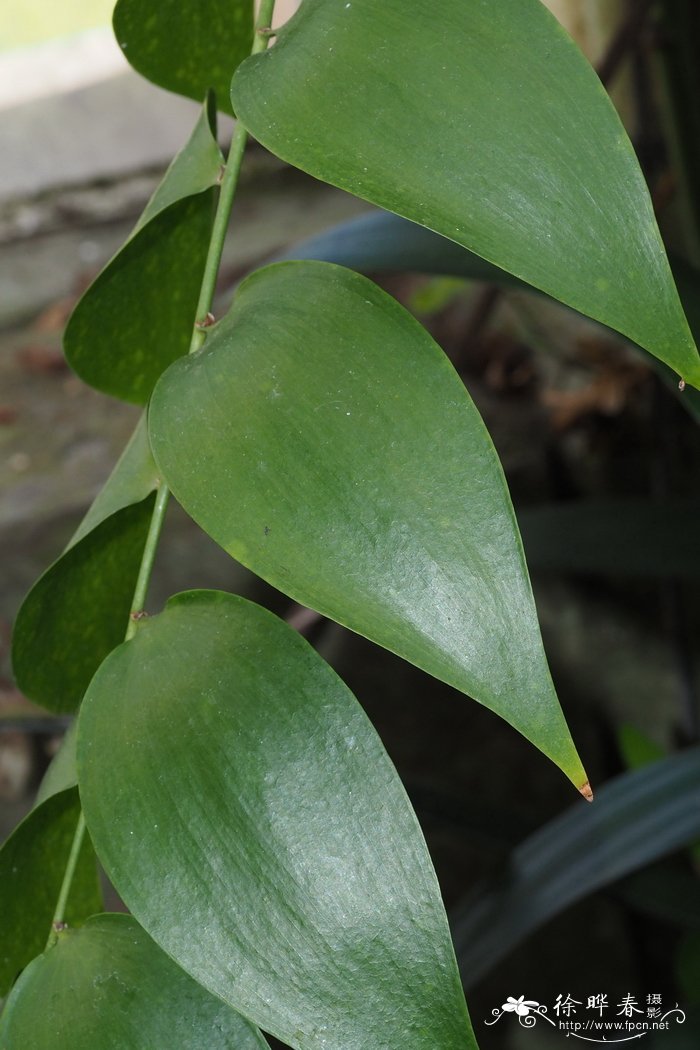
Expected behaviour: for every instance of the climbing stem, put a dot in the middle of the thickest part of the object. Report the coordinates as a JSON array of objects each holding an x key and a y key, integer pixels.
[
  {"x": 147, "y": 559},
  {"x": 60, "y": 909},
  {"x": 229, "y": 182}
]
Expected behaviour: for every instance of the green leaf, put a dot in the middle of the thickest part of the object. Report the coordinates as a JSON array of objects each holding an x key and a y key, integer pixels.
[
  {"x": 483, "y": 122},
  {"x": 324, "y": 440},
  {"x": 227, "y": 774},
  {"x": 133, "y": 478},
  {"x": 32, "y": 865},
  {"x": 193, "y": 170},
  {"x": 637, "y": 818},
  {"x": 688, "y": 283},
  {"x": 78, "y": 610},
  {"x": 138, "y": 314},
  {"x": 63, "y": 771},
  {"x": 186, "y": 47},
  {"x": 380, "y": 242},
  {"x": 107, "y": 986}
]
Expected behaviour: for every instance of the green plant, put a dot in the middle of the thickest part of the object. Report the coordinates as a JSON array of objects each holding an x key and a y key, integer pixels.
[{"x": 235, "y": 793}]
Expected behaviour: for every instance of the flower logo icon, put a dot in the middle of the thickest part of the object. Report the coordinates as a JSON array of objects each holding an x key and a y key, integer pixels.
[
  {"x": 527, "y": 1011},
  {"x": 521, "y": 1006}
]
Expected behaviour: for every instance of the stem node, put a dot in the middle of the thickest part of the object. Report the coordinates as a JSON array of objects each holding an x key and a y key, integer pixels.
[{"x": 206, "y": 322}]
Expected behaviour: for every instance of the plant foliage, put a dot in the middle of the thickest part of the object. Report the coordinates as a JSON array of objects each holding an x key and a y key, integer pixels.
[{"x": 236, "y": 794}]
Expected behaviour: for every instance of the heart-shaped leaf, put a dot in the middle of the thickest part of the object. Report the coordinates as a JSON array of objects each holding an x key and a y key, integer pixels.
[
  {"x": 32, "y": 865},
  {"x": 482, "y": 121},
  {"x": 107, "y": 986},
  {"x": 325, "y": 441},
  {"x": 186, "y": 46},
  {"x": 250, "y": 818},
  {"x": 138, "y": 314},
  {"x": 78, "y": 610}
]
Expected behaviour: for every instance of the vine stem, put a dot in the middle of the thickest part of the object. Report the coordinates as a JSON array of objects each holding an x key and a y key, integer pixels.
[
  {"x": 229, "y": 184},
  {"x": 60, "y": 909},
  {"x": 147, "y": 560}
]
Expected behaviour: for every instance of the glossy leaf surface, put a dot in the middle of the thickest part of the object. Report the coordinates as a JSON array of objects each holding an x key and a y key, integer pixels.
[
  {"x": 324, "y": 440},
  {"x": 250, "y": 818},
  {"x": 107, "y": 986},
  {"x": 637, "y": 818},
  {"x": 487, "y": 124},
  {"x": 186, "y": 47},
  {"x": 78, "y": 610},
  {"x": 32, "y": 864},
  {"x": 381, "y": 241},
  {"x": 138, "y": 314}
]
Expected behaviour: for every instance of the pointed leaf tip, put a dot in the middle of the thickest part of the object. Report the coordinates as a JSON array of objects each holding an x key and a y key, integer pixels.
[
  {"x": 373, "y": 493},
  {"x": 587, "y": 791},
  {"x": 526, "y": 168}
]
